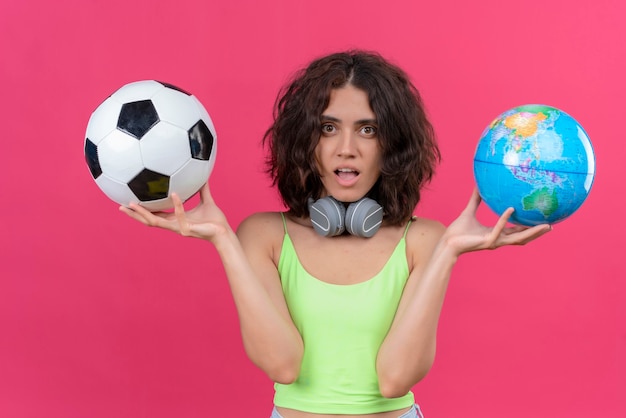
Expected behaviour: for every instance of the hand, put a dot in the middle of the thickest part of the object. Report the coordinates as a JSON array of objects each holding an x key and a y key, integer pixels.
[
  {"x": 205, "y": 221},
  {"x": 467, "y": 234}
]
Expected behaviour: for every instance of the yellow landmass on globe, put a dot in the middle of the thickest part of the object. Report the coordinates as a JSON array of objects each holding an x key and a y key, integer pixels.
[{"x": 524, "y": 123}]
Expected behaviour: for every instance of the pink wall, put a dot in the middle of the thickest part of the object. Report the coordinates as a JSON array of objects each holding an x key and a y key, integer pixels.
[{"x": 100, "y": 317}]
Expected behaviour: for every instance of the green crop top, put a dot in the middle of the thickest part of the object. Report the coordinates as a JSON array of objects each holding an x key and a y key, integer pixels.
[{"x": 342, "y": 327}]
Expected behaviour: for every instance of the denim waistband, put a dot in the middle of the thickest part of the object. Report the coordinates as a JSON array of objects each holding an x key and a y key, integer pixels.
[{"x": 414, "y": 412}]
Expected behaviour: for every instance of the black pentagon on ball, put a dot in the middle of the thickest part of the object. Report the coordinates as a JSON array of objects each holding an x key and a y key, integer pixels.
[
  {"x": 137, "y": 118},
  {"x": 91, "y": 156},
  {"x": 173, "y": 87},
  {"x": 150, "y": 185},
  {"x": 200, "y": 141}
]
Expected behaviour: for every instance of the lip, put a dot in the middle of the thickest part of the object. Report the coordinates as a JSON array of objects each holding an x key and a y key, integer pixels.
[{"x": 349, "y": 180}]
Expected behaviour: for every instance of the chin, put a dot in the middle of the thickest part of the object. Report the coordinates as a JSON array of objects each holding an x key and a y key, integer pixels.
[{"x": 348, "y": 197}]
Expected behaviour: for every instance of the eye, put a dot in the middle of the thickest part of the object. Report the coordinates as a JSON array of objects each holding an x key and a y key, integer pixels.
[
  {"x": 328, "y": 128},
  {"x": 368, "y": 131}
]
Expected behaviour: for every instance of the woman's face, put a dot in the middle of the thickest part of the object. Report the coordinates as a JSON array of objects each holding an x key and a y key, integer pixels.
[{"x": 348, "y": 154}]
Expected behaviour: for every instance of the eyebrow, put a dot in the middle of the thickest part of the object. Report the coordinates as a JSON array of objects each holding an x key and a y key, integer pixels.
[{"x": 327, "y": 118}]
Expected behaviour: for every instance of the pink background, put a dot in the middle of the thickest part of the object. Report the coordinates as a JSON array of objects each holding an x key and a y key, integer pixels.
[{"x": 101, "y": 317}]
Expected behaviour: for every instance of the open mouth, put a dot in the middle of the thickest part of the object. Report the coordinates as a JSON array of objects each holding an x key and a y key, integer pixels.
[{"x": 346, "y": 173}]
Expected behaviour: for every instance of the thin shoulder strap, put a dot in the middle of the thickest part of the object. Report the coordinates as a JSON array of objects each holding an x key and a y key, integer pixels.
[
  {"x": 282, "y": 214},
  {"x": 408, "y": 225}
]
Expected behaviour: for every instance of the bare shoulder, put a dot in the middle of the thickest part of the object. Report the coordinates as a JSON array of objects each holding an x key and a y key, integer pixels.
[
  {"x": 422, "y": 237},
  {"x": 261, "y": 230},
  {"x": 261, "y": 237},
  {"x": 423, "y": 228}
]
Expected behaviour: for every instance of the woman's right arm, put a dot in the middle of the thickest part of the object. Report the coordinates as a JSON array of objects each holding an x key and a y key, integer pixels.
[
  {"x": 269, "y": 335},
  {"x": 270, "y": 338}
]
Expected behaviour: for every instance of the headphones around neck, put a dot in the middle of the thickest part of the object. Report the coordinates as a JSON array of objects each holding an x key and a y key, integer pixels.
[{"x": 331, "y": 218}]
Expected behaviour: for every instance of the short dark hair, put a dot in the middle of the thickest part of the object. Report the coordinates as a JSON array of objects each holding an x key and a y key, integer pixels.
[{"x": 407, "y": 139}]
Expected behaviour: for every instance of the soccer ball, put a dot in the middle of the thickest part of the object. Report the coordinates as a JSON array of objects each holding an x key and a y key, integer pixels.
[{"x": 147, "y": 140}]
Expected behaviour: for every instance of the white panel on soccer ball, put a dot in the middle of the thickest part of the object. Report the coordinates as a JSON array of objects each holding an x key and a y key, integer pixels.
[
  {"x": 165, "y": 148},
  {"x": 205, "y": 116},
  {"x": 139, "y": 90},
  {"x": 176, "y": 107},
  {"x": 158, "y": 205},
  {"x": 120, "y": 156},
  {"x": 103, "y": 120},
  {"x": 116, "y": 190},
  {"x": 188, "y": 180}
]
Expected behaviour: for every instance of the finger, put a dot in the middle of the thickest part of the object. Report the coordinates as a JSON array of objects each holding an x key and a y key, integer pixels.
[
  {"x": 504, "y": 220},
  {"x": 474, "y": 202},
  {"x": 527, "y": 234},
  {"x": 131, "y": 213},
  {"x": 514, "y": 229},
  {"x": 156, "y": 219},
  {"x": 184, "y": 227},
  {"x": 176, "y": 199},
  {"x": 476, "y": 195},
  {"x": 141, "y": 211},
  {"x": 125, "y": 210},
  {"x": 534, "y": 233},
  {"x": 205, "y": 194},
  {"x": 498, "y": 234},
  {"x": 136, "y": 212}
]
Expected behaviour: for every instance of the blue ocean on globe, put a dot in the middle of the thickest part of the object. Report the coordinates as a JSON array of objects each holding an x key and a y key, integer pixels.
[{"x": 536, "y": 159}]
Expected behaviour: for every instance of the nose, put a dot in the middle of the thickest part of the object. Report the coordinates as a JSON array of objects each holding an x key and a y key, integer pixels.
[{"x": 347, "y": 144}]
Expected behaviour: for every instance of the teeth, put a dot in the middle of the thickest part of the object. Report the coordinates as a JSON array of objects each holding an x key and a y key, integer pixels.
[{"x": 345, "y": 170}]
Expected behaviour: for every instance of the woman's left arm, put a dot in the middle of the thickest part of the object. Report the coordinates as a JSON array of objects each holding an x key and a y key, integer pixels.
[{"x": 408, "y": 351}]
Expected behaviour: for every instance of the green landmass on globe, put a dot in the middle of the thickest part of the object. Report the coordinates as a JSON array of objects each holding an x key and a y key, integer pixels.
[{"x": 543, "y": 200}]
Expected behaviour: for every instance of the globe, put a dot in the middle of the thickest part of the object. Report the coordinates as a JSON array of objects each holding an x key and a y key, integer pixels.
[{"x": 538, "y": 160}]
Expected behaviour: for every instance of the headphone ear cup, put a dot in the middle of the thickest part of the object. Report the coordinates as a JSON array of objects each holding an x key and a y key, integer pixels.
[
  {"x": 364, "y": 217},
  {"x": 327, "y": 216}
]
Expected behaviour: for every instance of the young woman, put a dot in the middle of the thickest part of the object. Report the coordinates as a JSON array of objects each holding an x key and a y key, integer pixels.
[{"x": 340, "y": 296}]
